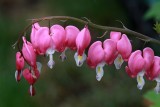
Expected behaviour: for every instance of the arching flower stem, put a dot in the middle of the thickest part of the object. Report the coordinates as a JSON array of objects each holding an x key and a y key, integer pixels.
[{"x": 105, "y": 28}]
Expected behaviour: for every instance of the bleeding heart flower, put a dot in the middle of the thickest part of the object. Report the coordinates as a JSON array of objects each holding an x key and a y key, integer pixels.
[
  {"x": 58, "y": 35},
  {"x": 29, "y": 53},
  {"x": 57, "y": 43},
  {"x": 124, "y": 49},
  {"x": 19, "y": 66},
  {"x": 96, "y": 58},
  {"x": 154, "y": 73},
  {"x": 31, "y": 75},
  {"x": 110, "y": 49},
  {"x": 144, "y": 64},
  {"x": 82, "y": 41},
  {"x": 70, "y": 42}
]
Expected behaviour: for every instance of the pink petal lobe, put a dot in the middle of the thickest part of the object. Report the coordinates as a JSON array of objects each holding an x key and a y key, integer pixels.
[
  {"x": 154, "y": 71},
  {"x": 124, "y": 47},
  {"x": 58, "y": 36},
  {"x": 43, "y": 40},
  {"x": 95, "y": 54},
  {"x": 148, "y": 55},
  {"x": 83, "y": 40},
  {"x": 19, "y": 61},
  {"x": 115, "y": 35},
  {"x": 136, "y": 63},
  {"x": 71, "y": 35},
  {"x": 28, "y": 52},
  {"x": 110, "y": 49}
]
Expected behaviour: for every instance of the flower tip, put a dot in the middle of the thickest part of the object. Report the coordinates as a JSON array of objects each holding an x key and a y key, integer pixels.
[
  {"x": 80, "y": 59},
  {"x": 31, "y": 90},
  {"x": 50, "y": 64},
  {"x": 18, "y": 75}
]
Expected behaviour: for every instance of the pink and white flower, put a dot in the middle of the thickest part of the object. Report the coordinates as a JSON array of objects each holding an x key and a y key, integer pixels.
[
  {"x": 19, "y": 66},
  {"x": 82, "y": 42},
  {"x": 138, "y": 65},
  {"x": 95, "y": 58}
]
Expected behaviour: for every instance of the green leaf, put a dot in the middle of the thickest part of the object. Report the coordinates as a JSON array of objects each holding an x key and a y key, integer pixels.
[
  {"x": 153, "y": 12},
  {"x": 153, "y": 97}
]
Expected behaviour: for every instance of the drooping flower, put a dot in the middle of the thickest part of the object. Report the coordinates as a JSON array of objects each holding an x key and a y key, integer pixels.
[
  {"x": 138, "y": 65},
  {"x": 124, "y": 49},
  {"x": 19, "y": 66},
  {"x": 31, "y": 75},
  {"x": 57, "y": 43},
  {"x": 95, "y": 58},
  {"x": 154, "y": 73},
  {"x": 70, "y": 42},
  {"x": 82, "y": 41},
  {"x": 40, "y": 38},
  {"x": 28, "y": 53},
  {"x": 110, "y": 49}
]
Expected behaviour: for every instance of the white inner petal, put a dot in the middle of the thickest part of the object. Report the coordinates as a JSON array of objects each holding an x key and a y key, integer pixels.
[
  {"x": 16, "y": 75},
  {"x": 157, "y": 88},
  {"x": 118, "y": 61},
  {"x": 140, "y": 80},
  {"x": 63, "y": 55},
  {"x": 31, "y": 90},
  {"x": 79, "y": 59},
  {"x": 99, "y": 71},
  {"x": 51, "y": 62},
  {"x": 39, "y": 66}
]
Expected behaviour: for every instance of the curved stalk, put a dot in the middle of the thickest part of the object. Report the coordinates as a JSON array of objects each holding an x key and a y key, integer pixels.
[{"x": 89, "y": 23}]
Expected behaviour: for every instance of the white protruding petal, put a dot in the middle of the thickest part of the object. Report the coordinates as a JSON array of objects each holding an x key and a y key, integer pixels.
[
  {"x": 140, "y": 80},
  {"x": 16, "y": 75},
  {"x": 31, "y": 90},
  {"x": 99, "y": 71},
  {"x": 79, "y": 59},
  {"x": 39, "y": 66},
  {"x": 118, "y": 61},
  {"x": 51, "y": 62},
  {"x": 157, "y": 88},
  {"x": 63, "y": 55}
]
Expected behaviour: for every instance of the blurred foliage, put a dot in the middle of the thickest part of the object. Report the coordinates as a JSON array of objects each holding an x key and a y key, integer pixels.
[
  {"x": 153, "y": 98},
  {"x": 153, "y": 12},
  {"x": 157, "y": 27}
]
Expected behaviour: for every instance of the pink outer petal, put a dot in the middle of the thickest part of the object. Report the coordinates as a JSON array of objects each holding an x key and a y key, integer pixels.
[
  {"x": 115, "y": 35},
  {"x": 136, "y": 63},
  {"x": 95, "y": 54},
  {"x": 83, "y": 40},
  {"x": 154, "y": 71},
  {"x": 71, "y": 35},
  {"x": 110, "y": 49},
  {"x": 124, "y": 47},
  {"x": 19, "y": 61},
  {"x": 43, "y": 40},
  {"x": 29, "y": 77},
  {"x": 28, "y": 53},
  {"x": 59, "y": 37},
  {"x": 148, "y": 55},
  {"x": 33, "y": 36}
]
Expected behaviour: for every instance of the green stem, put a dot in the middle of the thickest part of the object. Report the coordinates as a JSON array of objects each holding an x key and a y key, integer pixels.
[{"x": 89, "y": 23}]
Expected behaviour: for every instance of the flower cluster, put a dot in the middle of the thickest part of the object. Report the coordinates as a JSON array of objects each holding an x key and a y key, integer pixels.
[
  {"x": 117, "y": 49},
  {"x": 47, "y": 41}
]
